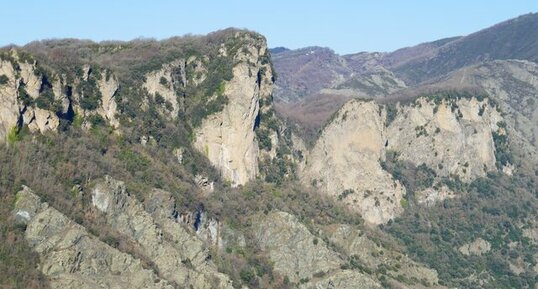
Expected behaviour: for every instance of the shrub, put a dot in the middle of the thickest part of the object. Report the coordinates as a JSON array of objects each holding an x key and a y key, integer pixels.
[
  {"x": 247, "y": 276},
  {"x": 159, "y": 99},
  {"x": 345, "y": 193},
  {"x": 3, "y": 79},
  {"x": 264, "y": 139},
  {"x": 24, "y": 97},
  {"x": 90, "y": 95}
]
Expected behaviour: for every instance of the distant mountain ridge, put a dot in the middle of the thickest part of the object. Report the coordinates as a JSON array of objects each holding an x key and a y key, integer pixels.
[{"x": 313, "y": 77}]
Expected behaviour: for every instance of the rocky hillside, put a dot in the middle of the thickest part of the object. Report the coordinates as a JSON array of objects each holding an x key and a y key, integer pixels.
[
  {"x": 316, "y": 82},
  {"x": 449, "y": 148},
  {"x": 446, "y": 136},
  {"x": 169, "y": 172},
  {"x": 164, "y": 164},
  {"x": 223, "y": 80}
]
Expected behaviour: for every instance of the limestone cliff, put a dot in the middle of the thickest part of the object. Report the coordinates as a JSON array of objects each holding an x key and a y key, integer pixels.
[
  {"x": 227, "y": 137},
  {"x": 513, "y": 84},
  {"x": 20, "y": 88},
  {"x": 453, "y": 137},
  {"x": 344, "y": 163},
  {"x": 166, "y": 84},
  {"x": 37, "y": 98}
]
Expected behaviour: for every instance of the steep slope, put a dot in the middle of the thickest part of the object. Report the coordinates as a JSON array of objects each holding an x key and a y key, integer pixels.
[
  {"x": 514, "y": 85},
  {"x": 37, "y": 99},
  {"x": 345, "y": 163},
  {"x": 180, "y": 259},
  {"x": 210, "y": 86},
  {"x": 512, "y": 39},
  {"x": 454, "y": 137},
  {"x": 227, "y": 138},
  {"x": 449, "y": 137},
  {"x": 73, "y": 258}
]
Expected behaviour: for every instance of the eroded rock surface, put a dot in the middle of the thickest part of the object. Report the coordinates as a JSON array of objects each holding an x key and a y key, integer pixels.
[
  {"x": 178, "y": 257},
  {"x": 453, "y": 137},
  {"x": 36, "y": 100},
  {"x": 227, "y": 137},
  {"x": 73, "y": 258},
  {"x": 345, "y": 163}
]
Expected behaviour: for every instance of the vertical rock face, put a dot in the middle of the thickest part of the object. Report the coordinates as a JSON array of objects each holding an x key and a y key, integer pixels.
[
  {"x": 227, "y": 138},
  {"x": 9, "y": 107},
  {"x": 454, "y": 137},
  {"x": 22, "y": 86},
  {"x": 73, "y": 258},
  {"x": 344, "y": 163},
  {"x": 163, "y": 83},
  {"x": 514, "y": 84},
  {"x": 30, "y": 98},
  {"x": 109, "y": 108}
]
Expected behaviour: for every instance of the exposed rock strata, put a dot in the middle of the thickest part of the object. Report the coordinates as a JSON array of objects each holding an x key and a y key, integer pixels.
[{"x": 73, "y": 258}]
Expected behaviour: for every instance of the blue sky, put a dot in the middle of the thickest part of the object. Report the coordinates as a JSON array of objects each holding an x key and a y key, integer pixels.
[{"x": 347, "y": 26}]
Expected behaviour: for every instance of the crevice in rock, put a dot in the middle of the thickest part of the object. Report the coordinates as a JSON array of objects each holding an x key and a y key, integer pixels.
[{"x": 257, "y": 121}]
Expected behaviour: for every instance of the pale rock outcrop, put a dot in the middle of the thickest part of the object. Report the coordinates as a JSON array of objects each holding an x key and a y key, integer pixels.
[
  {"x": 204, "y": 183},
  {"x": 70, "y": 257},
  {"x": 9, "y": 107},
  {"x": 344, "y": 163},
  {"x": 513, "y": 84},
  {"x": 109, "y": 108},
  {"x": 477, "y": 247},
  {"x": 292, "y": 247},
  {"x": 14, "y": 114},
  {"x": 227, "y": 137},
  {"x": 355, "y": 242},
  {"x": 161, "y": 205},
  {"x": 166, "y": 89},
  {"x": 32, "y": 82},
  {"x": 40, "y": 120},
  {"x": 299, "y": 255},
  {"x": 454, "y": 137},
  {"x": 212, "y": 231},
  {"x": 156, "y": 237},
  {"x": 431, "y": 196}
]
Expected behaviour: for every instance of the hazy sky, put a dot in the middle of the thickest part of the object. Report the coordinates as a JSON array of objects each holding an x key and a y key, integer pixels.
[{"x": 346, "y": 26}]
